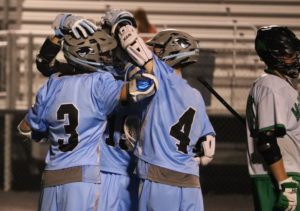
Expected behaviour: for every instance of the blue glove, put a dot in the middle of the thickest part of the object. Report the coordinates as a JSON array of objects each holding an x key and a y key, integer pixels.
[{"x": 65, "y": 23}]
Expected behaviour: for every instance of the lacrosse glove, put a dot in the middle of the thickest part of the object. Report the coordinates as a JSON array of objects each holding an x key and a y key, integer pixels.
[
  {"x": 288, "y": 194},
  {"x": 205, "y": 150},
  {"x": 65, "y": 23}
]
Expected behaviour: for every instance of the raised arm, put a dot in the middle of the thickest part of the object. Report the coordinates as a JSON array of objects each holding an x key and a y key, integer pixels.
[{"x": 63, "y": 24}]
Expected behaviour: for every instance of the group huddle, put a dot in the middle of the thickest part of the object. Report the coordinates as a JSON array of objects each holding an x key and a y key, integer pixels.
[{"x": 128, "y": 133}]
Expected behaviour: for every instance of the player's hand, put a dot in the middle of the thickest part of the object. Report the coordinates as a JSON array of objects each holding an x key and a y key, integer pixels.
[
  {"x": 134, "y": 45},
  {"x": 141, "y": 84},
  {"x": 115, "y": 18},
  {"x": 205, "y": 150},
  {"x": 66, "y": 23},
  {"x": 24, "y": 129},
  {"x": 288, "y": 194}
]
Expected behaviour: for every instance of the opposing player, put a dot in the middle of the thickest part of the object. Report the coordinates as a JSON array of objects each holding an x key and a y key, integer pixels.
[
  {"x": 273, "y": 122},
  {"x": 174, "y": 123},
  {"x": 71, "y": 111}
]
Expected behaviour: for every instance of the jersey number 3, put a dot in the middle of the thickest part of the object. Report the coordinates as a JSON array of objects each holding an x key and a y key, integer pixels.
[
  {"x": 72, "y": 113},
  {"x": 182, "y": 128}
]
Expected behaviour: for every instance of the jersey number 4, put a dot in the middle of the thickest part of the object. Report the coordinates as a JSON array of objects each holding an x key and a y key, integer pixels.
[
  {"x": 181, "y": 130},
  {"x": 72, "y": 113}
]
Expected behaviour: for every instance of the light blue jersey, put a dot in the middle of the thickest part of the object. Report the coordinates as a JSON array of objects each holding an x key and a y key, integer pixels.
[
  {"x": 119, "y": 184},
  {"x": 176, "y": 118},
  {"x": 118, "y": 158},
  {"x": 73, "y": 111}
]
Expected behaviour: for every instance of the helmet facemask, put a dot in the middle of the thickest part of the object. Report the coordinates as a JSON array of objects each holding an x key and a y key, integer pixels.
[
  {"x": 279, "y": 48},
  {"x": 288, "y": 65}
]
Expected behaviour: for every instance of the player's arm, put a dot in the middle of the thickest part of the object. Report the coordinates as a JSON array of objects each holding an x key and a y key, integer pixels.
[
  {"x": 122, "y": 25},
  {"x": 45, "y": 60},
  {"x": 63, "y": 24},
  {"x": 24, "y": 128},
  {"x": 205, "y": 150},
  {"x": 268, "y": 147},
  {"x": 140, "y": 85},
  {"x": 26, "y": 131},
  {"x": 136, "y": 47}
]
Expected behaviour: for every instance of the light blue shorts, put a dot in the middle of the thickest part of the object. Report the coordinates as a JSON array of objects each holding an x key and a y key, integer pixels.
[
  {"x": 161, "y": 197},
  {"x": 118, "y": 192},
  {"x": 71, "y": 196}
]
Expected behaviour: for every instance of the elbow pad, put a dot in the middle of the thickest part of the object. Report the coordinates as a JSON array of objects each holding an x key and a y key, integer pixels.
[
  {"x": 44, "y": 66},
  {"x": 267, "y": 146},
  {"x": 46, "y": 57},
  {"x": 49, "y": 50}
]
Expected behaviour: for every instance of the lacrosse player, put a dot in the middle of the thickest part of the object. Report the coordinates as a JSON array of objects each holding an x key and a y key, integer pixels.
[
  {"x": 71, "y": 110},
  {"x": 273, "y": 114},
  {"x": 176, "y": 133}
]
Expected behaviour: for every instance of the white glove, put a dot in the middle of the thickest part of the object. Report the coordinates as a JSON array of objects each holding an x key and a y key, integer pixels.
[
  {"x": 204, "y": 154},
  {"x": 115, "y": 17},
  {"x": 134, "y": 45},
  {"x": 66, "y": 23},
  {"x": 288, "y": 194}
]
